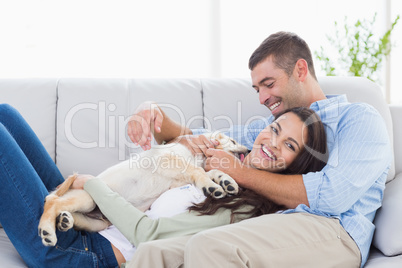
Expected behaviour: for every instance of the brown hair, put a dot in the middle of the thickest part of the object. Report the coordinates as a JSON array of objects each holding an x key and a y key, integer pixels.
[
  {"x": 311, "y": 158},
  {"x": 286, "y": 48}
]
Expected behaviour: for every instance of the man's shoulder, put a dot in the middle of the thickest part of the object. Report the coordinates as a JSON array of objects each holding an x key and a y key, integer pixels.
[
  {"x": 358, "y": 116},
  {"x": 343, "y": 101},
  {"x": 358, "y": 107},
  {"x": 339, "y": 107}
]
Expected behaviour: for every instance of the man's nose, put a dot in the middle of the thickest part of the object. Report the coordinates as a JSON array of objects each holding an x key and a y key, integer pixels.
[{"x": 263, "y": 96}]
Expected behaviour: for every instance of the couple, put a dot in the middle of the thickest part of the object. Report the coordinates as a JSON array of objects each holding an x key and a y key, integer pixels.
[{"x": 326, "y": 218}]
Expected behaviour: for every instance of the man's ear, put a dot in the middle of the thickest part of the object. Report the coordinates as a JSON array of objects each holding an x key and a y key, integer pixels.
[{"x": 301, "y": 70}]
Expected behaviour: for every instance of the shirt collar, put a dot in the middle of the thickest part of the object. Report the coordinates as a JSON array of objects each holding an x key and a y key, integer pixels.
[{"x": 331, "y": 99}]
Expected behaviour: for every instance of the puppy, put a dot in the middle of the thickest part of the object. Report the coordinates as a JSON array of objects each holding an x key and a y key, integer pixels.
[{"x": 140, "y": 180}]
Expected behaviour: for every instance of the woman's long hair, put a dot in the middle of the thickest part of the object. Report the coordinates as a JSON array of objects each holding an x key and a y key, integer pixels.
[{"x": 311, "y": 158}]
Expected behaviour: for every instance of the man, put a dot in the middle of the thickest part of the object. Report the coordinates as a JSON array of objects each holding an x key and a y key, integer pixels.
[{"x": 329, "y": 218}]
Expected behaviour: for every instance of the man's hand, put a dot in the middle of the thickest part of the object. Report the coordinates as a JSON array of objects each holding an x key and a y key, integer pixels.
[
  {"x": 224, "y": 161},
  {"x": 147, "y": 118},
  {"x": 197, "y": 144},
  {"x": 80, "y": 181}
]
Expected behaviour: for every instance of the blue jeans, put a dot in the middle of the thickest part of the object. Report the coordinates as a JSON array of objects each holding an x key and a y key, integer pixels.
[{"x": 27, "y": 174}]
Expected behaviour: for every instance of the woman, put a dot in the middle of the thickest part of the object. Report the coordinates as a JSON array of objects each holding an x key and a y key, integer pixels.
[
  {"x": 27, "y": 174},
  {"x": 295, "y": 159}
]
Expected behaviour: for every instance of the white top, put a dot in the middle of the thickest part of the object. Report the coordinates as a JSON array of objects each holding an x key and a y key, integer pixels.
[{"x": 170, "y": 203}]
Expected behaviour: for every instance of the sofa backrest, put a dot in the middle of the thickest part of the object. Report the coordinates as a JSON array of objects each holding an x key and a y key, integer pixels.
[
  {"x": 93, "y": 113},
  {"x": 396, "y": 112},
  {"x": 82, "y": 121},
  {"x": 36, "y": 100}
]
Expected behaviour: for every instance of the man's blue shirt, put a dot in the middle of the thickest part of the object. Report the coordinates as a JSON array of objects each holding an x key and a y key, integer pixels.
[{"x": 350, "y": 187}]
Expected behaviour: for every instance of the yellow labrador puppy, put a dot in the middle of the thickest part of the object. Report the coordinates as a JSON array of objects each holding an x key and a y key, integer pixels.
[{"x": 140, "y": 180}]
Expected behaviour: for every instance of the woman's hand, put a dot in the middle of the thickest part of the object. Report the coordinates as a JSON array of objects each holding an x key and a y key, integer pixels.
[
  {"x": 147, "y": 118},
  {"x": 80, "y": 181},
  {"x": 197, "y": 144}
]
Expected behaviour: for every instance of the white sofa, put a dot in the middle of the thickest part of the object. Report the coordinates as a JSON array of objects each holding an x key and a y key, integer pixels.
[{"x": 81, "y": 123}]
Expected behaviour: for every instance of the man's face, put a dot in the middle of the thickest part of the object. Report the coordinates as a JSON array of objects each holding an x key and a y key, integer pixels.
[{"x": 276, "y": 90}]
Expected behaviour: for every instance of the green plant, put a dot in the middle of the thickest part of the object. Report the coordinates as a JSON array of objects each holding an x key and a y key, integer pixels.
[{"x": 360, "y": 51}]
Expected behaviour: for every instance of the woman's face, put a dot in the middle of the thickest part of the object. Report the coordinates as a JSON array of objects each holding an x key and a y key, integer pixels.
[{"x": 278, "y": 145}]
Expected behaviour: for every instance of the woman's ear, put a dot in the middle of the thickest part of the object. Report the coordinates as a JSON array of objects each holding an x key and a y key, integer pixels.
[{"x": 301, "y": 70}]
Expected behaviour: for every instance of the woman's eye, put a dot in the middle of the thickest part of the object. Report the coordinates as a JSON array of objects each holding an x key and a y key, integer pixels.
[
  {"x": 290, "y": 146},
  {"x": 274, "y": 130}
]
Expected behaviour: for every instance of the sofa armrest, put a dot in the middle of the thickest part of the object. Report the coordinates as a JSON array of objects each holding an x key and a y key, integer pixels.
[
  {"x": 388, "y": 221},
  {"x": 396, "y": 114}
]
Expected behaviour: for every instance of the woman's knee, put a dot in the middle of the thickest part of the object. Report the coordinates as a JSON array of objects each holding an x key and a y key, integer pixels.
[
  {"x": 6, "y": 107},
  {"x": 7, "y": 111}
]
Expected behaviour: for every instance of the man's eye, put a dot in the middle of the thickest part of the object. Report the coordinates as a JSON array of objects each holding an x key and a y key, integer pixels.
[{"x": 270, "y": 85}]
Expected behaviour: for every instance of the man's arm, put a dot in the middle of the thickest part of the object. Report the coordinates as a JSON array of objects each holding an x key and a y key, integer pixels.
[
  {"x": 287, "y": 190},
  {"x": 360, "y": 155},
  {"x": 359, "y": 160}
]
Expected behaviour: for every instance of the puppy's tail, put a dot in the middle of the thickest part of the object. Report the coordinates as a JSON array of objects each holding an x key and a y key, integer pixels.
[{"x": 65, "y": 186}]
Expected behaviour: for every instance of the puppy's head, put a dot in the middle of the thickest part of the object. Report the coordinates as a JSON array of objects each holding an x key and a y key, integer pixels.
[{"x": 227, "y": 144}]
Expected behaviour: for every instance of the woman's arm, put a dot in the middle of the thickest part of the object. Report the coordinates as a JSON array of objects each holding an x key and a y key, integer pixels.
[{"x": 137, "y": 227}]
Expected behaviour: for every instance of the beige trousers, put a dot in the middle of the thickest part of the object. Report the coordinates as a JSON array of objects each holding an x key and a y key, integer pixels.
[{"x": 274, "y": 240}]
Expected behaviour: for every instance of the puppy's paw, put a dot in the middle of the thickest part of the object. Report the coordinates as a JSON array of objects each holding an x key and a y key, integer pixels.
[
  {"x": 65, "y": 221},
  {"x": 48, "y": 235},
  {"x": 228, "y": 184},
  {"x": 215, "y": 191},
  {"x": 225, "y": 181}
]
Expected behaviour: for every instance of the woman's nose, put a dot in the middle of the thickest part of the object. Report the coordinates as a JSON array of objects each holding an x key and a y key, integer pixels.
[{"x": 274, "y": 142}]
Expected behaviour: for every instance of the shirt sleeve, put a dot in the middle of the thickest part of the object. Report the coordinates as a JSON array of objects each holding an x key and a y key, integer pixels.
[
  {"x": 137, "y": 227},
  {"x": 360, "y": 155}
]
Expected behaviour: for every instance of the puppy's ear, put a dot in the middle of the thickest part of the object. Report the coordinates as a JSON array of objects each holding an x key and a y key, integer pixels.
[{"x": 219, "y": 136}]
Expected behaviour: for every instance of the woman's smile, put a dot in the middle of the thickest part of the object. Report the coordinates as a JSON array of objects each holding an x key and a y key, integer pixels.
[{"x": 268, "y": 153}]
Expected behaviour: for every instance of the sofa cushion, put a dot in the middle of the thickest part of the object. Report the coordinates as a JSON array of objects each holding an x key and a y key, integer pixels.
[
  {"x": 378, "y": 260},
  {"x": 396, "y": 112},
  {"x": 9, "y": 256},
  {"x": 388, "y": 221},
  {"x": 93, "y": 113},
  {"x": 35, "y": 99},
  {"x": 229, "y": 102},
  {"x": 84, "y": 108}
]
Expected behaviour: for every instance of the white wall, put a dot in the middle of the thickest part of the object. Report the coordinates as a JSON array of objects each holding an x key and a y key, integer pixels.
[
  {"x": 160, "y": 38},
  {"x": 396, "y": 55}
]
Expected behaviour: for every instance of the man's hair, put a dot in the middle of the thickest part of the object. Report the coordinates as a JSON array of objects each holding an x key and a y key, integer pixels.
[{"x": 286, "y": 49}]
